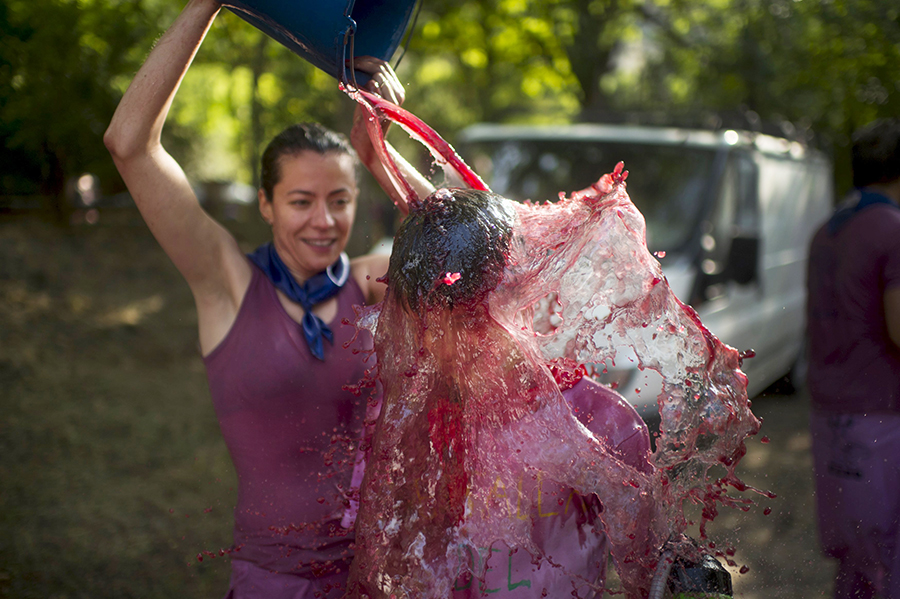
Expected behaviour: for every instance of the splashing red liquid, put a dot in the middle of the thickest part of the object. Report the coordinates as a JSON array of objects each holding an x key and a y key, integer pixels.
[{"x": 471, "y": 403}]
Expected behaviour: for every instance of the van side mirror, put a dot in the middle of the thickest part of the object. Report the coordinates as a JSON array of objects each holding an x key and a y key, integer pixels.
[{"x": 743, "y": 259}]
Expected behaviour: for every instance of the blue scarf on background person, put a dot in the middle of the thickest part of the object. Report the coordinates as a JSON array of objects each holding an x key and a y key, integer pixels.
[
  {"x": 314, "y": 290},
  {"x": 845, "y": 213}
]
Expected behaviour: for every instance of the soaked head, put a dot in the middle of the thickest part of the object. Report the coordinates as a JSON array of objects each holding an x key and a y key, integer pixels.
[{"x": 451, "y": 250}]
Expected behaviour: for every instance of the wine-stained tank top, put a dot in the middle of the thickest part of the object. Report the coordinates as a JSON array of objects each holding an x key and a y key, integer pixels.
[{"x": 292, "y": 430}]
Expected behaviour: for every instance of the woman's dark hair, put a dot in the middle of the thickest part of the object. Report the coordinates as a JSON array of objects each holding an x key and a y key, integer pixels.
[
  {"x": 451, "y": 250},
  {"x": 876, "y": 153},
  {"x": 296, "y": 139}
]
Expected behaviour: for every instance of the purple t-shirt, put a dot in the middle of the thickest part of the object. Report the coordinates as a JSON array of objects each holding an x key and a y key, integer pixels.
[
  {"x": 854, "y": 367},
  {"x": 291, "y": 429},
  {"x": 567, "y": 527}
]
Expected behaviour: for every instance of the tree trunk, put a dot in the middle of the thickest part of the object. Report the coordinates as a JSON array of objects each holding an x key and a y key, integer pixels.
[
  {"x": 590, "y": 54},
  {"x": 53, "y": 186},
  {"x": 257, "y": 129}
]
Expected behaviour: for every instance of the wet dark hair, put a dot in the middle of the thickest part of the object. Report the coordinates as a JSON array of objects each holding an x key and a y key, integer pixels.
[
  {"x": 462, "y": 231},
  {"x": 876, "y": 153},
  {"x": 296, "y": 139}
]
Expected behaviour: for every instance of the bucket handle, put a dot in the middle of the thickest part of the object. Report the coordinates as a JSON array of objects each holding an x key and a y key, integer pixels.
[
  {"x": 349, "y": 34},
  {"x": 409, "y": 32}
]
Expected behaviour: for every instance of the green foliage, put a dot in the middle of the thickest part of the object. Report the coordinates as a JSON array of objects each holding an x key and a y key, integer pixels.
[
  {"x": 499, "y": 60},
  {"x": 823, "y": 67},
  {"x": 820, "y": 66},
  {"x": 57, "y": 62}
]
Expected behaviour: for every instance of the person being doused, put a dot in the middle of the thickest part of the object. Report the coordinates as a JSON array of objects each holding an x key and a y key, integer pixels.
[
  {"x": 458, "y": 370},
  {"x": 471, "y": 407}
]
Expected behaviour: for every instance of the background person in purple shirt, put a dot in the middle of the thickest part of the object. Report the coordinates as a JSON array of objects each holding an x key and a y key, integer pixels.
[{"x": 853, "y": 317}]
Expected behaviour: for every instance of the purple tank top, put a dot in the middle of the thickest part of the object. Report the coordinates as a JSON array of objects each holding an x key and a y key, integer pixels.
[{"x": 291, "y": 429}]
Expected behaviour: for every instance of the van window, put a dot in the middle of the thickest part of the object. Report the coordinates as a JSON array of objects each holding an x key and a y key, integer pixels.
[
  {"x": 667, "y": 183},
  {"x": 733, "y": 214},
  {"x": 747, "y": 218},
  {"x": 716, "y": 239}
]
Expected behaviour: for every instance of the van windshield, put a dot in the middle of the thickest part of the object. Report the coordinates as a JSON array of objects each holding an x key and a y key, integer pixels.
[{"x": 667, "y": 183}]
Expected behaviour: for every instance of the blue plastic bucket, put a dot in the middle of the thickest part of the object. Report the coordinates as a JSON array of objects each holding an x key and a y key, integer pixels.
[{"x": 325, "y": 32}]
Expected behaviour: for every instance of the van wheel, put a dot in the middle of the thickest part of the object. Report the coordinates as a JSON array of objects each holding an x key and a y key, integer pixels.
[{"x": 795, "y": 379}]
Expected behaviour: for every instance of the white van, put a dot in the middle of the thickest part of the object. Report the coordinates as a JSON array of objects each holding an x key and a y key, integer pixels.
[{"x": 729, "y": 214}]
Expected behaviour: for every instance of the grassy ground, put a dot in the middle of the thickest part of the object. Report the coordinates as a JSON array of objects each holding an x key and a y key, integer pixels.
[
  {"x": 113, "y": 475},
  {"x": 777, "y": 538}
]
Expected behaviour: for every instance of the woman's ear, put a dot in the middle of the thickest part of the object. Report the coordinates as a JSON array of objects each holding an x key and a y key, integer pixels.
[{"x": 265, "y": 206}]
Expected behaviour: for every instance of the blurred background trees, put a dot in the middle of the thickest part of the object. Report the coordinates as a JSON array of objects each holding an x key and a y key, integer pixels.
[{"x": 809, "y": 69}]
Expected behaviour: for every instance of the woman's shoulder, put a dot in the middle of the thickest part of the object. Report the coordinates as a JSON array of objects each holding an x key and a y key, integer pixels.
[{"x": 367, "y": 270}]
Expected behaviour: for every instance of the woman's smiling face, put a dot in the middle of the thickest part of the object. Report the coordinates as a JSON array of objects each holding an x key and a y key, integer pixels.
[{"x": 311, "y": 210}]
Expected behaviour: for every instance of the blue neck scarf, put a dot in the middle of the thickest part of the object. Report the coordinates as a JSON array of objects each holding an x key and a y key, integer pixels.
[
  {"x": 314, "y": 290},
  {"x": 866, "y": 198}
]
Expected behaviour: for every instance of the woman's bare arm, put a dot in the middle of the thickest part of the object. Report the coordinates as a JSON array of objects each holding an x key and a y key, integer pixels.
[{"x": 202, "y": 250}]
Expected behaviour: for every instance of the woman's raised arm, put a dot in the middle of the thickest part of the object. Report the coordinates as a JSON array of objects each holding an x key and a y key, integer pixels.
[{"x": 202, "y": 250}]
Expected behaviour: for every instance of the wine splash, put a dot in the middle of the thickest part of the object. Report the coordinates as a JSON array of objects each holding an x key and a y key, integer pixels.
[{"x": 470, "y": 401}]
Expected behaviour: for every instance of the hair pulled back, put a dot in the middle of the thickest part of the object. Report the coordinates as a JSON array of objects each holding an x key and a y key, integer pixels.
[
  {"x": 876, "y": 153},
  {"x": 452, "y": 232},
  {"x": 296, "y": 139}
]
